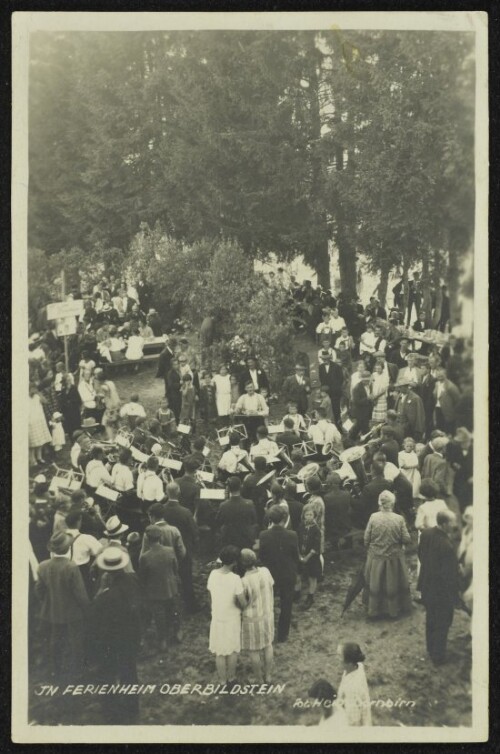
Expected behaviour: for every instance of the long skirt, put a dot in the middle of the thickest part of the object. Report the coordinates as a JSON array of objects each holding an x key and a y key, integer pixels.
[{"x": 387, "y": 591}]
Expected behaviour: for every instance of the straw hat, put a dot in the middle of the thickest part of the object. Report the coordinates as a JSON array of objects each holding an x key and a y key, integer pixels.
[
  {"x": 114, "y": 527},
  {"x": 112, "y": 559}
]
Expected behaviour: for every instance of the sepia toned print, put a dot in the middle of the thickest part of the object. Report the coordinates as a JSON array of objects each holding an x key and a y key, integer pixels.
[{"x": 250, "y": 418}]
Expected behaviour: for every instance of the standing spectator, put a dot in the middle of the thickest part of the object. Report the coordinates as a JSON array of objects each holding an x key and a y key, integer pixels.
[
  {"x": 252, "y": 490},
  {"x": 84, "y": 547},
  {"x": 408, "y": 463},
  {"x": 173, "y": 386},
  {"x": 63, "y": 605},
  {"x": 236, "y": 518},
  {"x": 361, "y": 405},
  {"x": 257, "y": 620},
  {"x": 461, "y": 456},
  {"x": 399, "y": 356},
  {"x": 379, "y": 386},
  {"x": 227, "y": 601},
  {"x": 70, "y": 402},
  {"x": 331, "y": 375},
  {"x": 189, "y": 487},
  {"x": 165, "y": 361},
  {"x": 387, "y": 591},
  {"x": 39, "y": 434},
  {"x": 171, "y": 536},
  {"x": 436, "y": 467},
  {"x": 430, "y": 506},
  {"x": 188, "y": 400},
  {"x": 414, "y": 296},
  {"x": 337, "y": 509},
  {"x": 279, "y": 552},
  {"x": 296, "y": 389},
  {"x": 353, "y": 694},
  {"x": 222, "y": 384},
  {"x": 317, "y": 506},
  {"x": 410, "y": 410},
  {"x": 438, "y": 583},
  {"x": 254, "y": 373},
  {"x": 158, "y": 578},
  {"x": 428, "y": 398},
  {"x": 445, "y": 309},
  {"x": 310, "y": 549},
  {"x": 181, "y": 517},
  {"x": 115, "y": 635},
  {"x": 447, "y": 396}
]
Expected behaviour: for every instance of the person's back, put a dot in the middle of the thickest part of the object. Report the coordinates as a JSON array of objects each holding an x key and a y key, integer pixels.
[
  {"x": 337, "y": 512},
  {"x": 181, "y": 517},
  {"x": 279, "y": 552},
  {"x": 158, "y": 572},
  {"x": 438, "y": 577},
  {"x": 189, "y": 491},
  {"x": 61, "y": 591},
  {"x": 236, "y": 519}
]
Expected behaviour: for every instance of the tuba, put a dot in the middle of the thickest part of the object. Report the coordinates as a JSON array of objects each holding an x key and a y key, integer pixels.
[{"x": 353, "y": 457}]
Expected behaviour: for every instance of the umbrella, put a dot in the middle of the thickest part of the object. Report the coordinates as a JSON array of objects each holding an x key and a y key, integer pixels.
[{"x": 356, "y": 586}]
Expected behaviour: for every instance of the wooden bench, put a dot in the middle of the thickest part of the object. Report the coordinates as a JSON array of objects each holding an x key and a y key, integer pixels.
[{"x": 113, "y": 366}]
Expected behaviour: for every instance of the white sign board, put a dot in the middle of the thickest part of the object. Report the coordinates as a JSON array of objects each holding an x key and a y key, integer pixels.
[
  {"x": 66, "y": 326},
  {"x": 63, "y": 309}
]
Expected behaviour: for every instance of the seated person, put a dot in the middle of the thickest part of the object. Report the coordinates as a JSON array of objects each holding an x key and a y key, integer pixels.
[
  {"x": 299, "y": 424},
  {"x": 325, "y": 431},
  {"x": 135, "y": 344},
  {"x": 264, "y": 446},
  {"x": 234, "y": 460},
  {"x": 289, "y": 436},
  {"x": 132, "y": 409}
]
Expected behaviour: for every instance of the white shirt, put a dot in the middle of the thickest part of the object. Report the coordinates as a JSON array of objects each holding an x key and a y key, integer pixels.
[
  {"x": 87, "y": 394},
  {"x": 231, "y": 460},
  {"x": 122, "y": 477},
  {"x": 426, "y": 517},
  {"x": 133, "y": 409},
  {"x": 134, "y": 347},
  {"x": 331, "y": 351},
  {"x": 96, "y": 474},
  {"x": 337, "y": 323},
  {"x": 367, "y": 343},
  {"x": 150, "y": 487},
  {"x": 324, "y": 327},
  {"x": 265, "y": 447},
  {"x": 251, "y": 405},
  {"x": 85, "y": 547},
  {"x": 324, "y": 432},
  {"x": 74, "y": 454},
  {"x": 254, "y": 378},
  {"x": 298, "y": 422}
]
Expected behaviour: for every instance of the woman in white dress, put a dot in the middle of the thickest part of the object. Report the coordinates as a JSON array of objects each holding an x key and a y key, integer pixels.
[
  {"x": 39, "y": 434},
  {"x": 257, "y": 626},
  {"x": 379, "y": 385},
  {"x": 135, "y": 344},
  {"x": 408, "y": 463},
  {"x": 227, "y": 599},
  {"x": 353, "y": 694},
  {"x": 222, "y": 385}
]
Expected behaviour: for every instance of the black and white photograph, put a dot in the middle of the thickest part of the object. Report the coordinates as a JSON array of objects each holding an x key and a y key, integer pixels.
[{"x": 250, "y": 410}]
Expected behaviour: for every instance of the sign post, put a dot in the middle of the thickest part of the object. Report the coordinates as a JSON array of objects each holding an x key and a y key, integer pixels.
[{"x": 65, "y": 337}]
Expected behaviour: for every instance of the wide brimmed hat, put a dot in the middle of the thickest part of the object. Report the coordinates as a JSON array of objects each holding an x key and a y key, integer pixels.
[
  {"x": 59, "y": 543},
  {"x": 114, "y": 527},
  {"x": 40, "y": 479},
  {"x": 462, "y": 434},
  {"x": 89, "y": 421},
  {"x": 112, "y": 559},
  {"x": 34, "y": 338}
]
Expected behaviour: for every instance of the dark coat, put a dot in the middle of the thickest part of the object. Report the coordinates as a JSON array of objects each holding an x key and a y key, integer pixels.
[
  {"x": 164, "y": 362},
  {"x": 438, "y": 578},
  {"x": 158, "y": 573},
  {"x": 361, "y": 406},
  {"x": 61, "y": 591},
  {"x": 288, "y": 438},
  {"x": 189, "y": 492},
  {"x": 337, "y": 513},
  {"x": 181, "y": 517},
  {"x": 292, "y": 391},
  {"x": 262, "y": 380},
  {"x": 448, "y": 399},
  {"x": 333, "y": 379},
  {"x": 279, "y": 551},
  {"x": 114, "y": 625},
  {"x": 236, "y": 519}
]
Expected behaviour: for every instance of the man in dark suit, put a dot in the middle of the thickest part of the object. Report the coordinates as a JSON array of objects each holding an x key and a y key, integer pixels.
[
  {"x": 399, "y": 356},
  {"x": 332, "y": 376},
  {"x": 279, "y": 552},
  {"x": 410, "y": 410},
  {"x": 428, "y": 397},
  {"x": 438, "y": 583},
  {"x": 296, "y": 389},
  {"x": 181, "y": 517},
  {"x": 414, "y": 295},
  {"x": 337, "y": 509},
  {"x": 236, "y": 518},
  {"x": 390, "y": 446},
  {"x": 361, "y": 405},
  {"x": 63, "y": 605},
  {"x": 173, "y": 388},
  {"x": 253, "y": 373},
  {"x": 289, "y": 436},
  {"x": 447, "y": 396},
  {"x": 252, "y": 490},
  {"x": 165, "y": 362},
  {"x": 189, "y": 487}
]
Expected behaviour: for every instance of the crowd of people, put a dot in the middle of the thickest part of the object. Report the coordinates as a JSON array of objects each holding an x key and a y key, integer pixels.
[{"x": 371, "y": 442}]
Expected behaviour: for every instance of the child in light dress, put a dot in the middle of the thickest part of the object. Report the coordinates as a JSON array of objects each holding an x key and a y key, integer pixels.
[
  {"x": 57, "y": 432},
  {"x": 408, "y": 463}
]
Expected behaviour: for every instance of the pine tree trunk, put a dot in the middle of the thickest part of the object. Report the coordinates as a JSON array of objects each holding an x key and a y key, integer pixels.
[
  {"x": 322, "y": 265},
  {"x": 347, "y": 266},
  {"x": 426, "y": 292},
  {"x": 454, "y": 284},
  {"x": 382, "y": 289}
]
